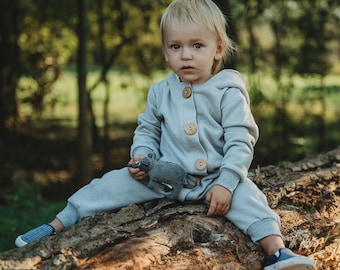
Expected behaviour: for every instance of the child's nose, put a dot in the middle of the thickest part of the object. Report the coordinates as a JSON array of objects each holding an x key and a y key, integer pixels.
[{"x": 186, "y": 53}]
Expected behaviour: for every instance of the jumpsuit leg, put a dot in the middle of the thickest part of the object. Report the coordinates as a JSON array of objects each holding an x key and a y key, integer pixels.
[
  {"x": 249, "y": 210},
  {"x": 251, "y": 213},
  {"x": 116, "y": 189}
]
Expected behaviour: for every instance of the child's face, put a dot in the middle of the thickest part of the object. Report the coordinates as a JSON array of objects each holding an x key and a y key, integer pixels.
[{"x": 191, "y": 51}]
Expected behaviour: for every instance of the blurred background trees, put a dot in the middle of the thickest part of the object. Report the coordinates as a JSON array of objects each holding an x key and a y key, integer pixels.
[
  {"x": 288, "y": 51},
  {"x": 276, "y": 39}
]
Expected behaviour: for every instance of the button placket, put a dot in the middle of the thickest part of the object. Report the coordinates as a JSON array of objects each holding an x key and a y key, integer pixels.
[{"x": 190, "y": 128}]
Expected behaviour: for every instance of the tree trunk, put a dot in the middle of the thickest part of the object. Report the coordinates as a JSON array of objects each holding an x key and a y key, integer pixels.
[
  {"x": 84, "y": 124},
  {"x": 168, "y": 235},
  {"x": 9, "y": 55}
]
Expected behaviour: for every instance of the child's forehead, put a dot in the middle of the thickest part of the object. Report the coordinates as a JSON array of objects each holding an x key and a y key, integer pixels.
[
  {"x": 185, "y": 27},
  {"x": 189, "y": 29}
]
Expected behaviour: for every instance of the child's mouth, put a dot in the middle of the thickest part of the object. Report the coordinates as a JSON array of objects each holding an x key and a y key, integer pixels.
[{"x": 187, "y": 68}]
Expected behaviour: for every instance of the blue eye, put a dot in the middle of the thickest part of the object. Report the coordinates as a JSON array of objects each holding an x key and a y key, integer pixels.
[
  {"x": 197, "y": 45},
  {"x": 175, "y": 46}
]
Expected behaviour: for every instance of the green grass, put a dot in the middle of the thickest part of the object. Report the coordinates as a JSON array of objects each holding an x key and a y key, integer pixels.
[
  {"x": 127, "y": 94},
  {"x": 24, "y": 210}
]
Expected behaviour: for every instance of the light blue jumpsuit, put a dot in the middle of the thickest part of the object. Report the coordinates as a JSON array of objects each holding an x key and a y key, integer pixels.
[{"x": 209, "y": 130}]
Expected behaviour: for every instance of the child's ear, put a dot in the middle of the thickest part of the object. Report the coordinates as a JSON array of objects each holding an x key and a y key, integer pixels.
[{"x": 219, "y": 51}]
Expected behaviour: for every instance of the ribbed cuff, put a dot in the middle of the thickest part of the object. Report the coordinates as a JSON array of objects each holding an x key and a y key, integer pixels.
[
  {"x": 228, "y": 179},
  {"x": 263, "y": 228},
  {"x": 143, "y": 151},
  {"x": 68, "y": 216}
]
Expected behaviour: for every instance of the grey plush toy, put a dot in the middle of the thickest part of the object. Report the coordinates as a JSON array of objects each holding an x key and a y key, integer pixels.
[{"x": 164, "y": 177}]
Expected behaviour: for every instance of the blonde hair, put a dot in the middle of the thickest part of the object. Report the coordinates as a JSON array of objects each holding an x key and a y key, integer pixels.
[{"x": 200, "y": 12}]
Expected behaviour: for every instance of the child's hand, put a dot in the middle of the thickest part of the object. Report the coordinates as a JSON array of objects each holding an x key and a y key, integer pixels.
[
  {"x": 219, "y": 199},
  {"x": 135, "y": 172}
]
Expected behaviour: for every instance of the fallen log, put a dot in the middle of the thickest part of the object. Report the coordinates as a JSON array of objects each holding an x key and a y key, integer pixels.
[{"x": 168, "y": 235}]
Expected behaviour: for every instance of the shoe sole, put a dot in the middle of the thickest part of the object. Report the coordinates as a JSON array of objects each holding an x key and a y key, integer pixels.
[
  {"x": 19, "y": 242},
  {"x": 295, "y": 263}
]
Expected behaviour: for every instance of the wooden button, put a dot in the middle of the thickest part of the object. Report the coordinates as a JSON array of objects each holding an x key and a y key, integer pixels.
[
  {"x": 190, "y": 128},
  {"x": 186, "y": 92},
  {"x": 200, "y": 164}
]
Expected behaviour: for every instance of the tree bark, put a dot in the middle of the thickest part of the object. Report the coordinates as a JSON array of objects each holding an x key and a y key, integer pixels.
[{"x": 168, "y": 235}]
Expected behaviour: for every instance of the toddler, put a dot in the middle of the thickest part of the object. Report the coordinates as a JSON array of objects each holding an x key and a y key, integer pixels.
[{"x": 198, "y": 123}]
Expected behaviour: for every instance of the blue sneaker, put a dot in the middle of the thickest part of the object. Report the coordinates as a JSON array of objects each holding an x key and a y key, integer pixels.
[
  {"x": 34, "y": 235},
  {"x": 287, "y": 260}
]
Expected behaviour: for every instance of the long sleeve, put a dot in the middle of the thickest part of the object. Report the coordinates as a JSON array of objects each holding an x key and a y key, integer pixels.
[
  {"x": 240, "y": 136},
  {"x": 147, "y": 134}
]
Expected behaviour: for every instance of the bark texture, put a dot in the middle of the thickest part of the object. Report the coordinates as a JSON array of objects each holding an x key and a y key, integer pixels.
[{"x": 168, "y": 235}]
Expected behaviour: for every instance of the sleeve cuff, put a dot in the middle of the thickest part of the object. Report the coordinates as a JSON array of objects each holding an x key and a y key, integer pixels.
[
  {"x": 228, "y": 179},
  {"x": 143, "y": 151}
]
